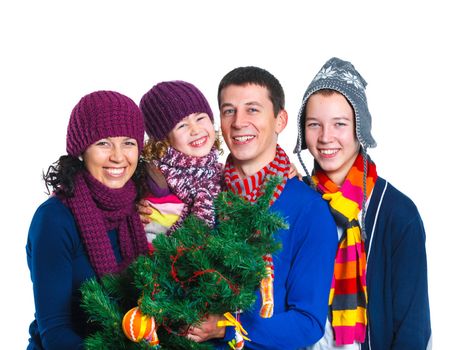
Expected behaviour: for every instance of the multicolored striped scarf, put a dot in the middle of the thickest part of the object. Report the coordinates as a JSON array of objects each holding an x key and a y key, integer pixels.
[
  {"x": 251, "y": 188},
  {"x": 348, "y": 296}
]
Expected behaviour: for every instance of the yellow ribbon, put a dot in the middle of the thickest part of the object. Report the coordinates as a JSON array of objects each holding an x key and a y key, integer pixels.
[{"x": 231, "y": 321}]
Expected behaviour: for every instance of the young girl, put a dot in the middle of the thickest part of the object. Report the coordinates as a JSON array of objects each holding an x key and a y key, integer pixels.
[
  {"x": 182, "y": 155},
  {"x": 379, "y": 298}
]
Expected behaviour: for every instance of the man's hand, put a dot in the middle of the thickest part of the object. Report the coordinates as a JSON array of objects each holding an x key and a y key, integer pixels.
[
  {"x": 208, "y": 329},
  {"x": 144, "y": 210}
]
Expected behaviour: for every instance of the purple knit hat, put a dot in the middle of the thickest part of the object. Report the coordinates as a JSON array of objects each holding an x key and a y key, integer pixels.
[
  {"x": 103, "y": 114},
  {"x": 167, "y": 103}
]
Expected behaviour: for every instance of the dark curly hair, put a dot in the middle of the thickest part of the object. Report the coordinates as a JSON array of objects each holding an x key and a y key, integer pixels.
[{"x": 60, "y": 177}]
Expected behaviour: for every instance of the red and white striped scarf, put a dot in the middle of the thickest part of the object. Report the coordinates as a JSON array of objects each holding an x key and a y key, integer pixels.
[{"x": 251, "y": 188}]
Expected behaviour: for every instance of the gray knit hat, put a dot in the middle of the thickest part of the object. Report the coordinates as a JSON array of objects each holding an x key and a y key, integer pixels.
[{"x": 340, "y": 76}]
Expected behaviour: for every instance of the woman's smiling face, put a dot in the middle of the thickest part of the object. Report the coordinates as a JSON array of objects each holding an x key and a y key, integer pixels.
[{"x": 112, "y": 160}]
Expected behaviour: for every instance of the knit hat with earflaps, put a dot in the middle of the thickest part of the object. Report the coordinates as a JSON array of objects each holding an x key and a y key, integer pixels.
[{"x": 340, "y": 76}]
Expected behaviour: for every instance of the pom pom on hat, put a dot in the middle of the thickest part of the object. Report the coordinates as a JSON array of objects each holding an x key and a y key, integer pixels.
[
  {"x": 167, "y": 103},
  {"x": 103, "y": 114}
]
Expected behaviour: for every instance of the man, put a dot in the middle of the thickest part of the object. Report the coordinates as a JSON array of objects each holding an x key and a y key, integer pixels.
[{"x": 291, "y": 309}]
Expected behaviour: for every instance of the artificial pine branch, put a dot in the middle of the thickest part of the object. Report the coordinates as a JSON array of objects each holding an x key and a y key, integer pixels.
[
  {"x": 102, "y": 308},
  {"x": 194, "y": 272}
]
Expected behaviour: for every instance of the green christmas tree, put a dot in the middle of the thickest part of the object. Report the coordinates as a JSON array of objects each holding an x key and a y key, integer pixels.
[{"x": 194, "y": 272}]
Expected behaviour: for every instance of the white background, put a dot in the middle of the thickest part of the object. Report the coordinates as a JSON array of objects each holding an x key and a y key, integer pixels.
[{"x": 54, "y": 52}]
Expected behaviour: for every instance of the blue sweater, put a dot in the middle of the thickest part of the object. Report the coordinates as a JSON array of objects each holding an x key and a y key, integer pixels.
[
  {"x": 303, "y": 272},
  {"x": 398, "y": 303},
  {"x": 58, "y": 265}
]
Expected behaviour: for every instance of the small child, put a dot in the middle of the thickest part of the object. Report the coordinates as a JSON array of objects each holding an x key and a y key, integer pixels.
[{"x": 182, "y": 156}]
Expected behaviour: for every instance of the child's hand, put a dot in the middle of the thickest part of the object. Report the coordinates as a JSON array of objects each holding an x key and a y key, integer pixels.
[
  {"x": 144, "y": 210},
  {"x": 294, "y": 172}
]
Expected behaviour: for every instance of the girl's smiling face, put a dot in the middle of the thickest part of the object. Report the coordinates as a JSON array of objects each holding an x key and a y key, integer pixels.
[{"x": 194, "y": 135}]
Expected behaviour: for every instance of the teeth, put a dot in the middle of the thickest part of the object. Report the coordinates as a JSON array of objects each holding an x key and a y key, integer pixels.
[
  {"x": 198, "y": 142},
  {"x": 115, "y": 171},
  {"x": 243, "y": 138},
  {"x": 328, "y": 151}
]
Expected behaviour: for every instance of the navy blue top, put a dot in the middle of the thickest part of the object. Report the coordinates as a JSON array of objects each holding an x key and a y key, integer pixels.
[
  {"x": 58, "y": 265},
  {"x": 398, "y": 302},
  {"x": 302, "y": 275}
]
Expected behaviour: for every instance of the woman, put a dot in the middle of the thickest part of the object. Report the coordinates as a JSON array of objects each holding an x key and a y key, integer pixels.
[
  {"x": 379, "y": 297},
  {"x": 89, "y": 226}
]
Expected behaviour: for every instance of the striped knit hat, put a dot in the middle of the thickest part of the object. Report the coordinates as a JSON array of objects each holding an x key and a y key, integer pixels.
[
  {"x": 167, "y": 103},
  {"x": 103, "y": 114}
]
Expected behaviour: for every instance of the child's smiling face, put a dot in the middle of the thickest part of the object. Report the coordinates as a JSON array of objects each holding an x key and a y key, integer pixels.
[{"x": 194, "y": 135}]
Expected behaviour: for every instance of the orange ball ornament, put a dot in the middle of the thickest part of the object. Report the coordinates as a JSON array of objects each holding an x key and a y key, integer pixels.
[{"x": 138, "y": 327}]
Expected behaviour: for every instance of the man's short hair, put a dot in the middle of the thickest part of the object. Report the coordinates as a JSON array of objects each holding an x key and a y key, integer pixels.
[{"x": 257, "y": 76}]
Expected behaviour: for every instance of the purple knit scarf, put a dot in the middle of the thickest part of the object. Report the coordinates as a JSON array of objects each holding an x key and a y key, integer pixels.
[
  {"x": 98, "y": 209},
  {"x": 195, "y": 180}
]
